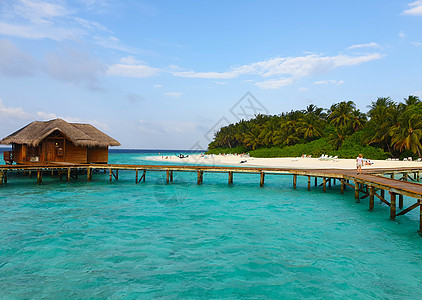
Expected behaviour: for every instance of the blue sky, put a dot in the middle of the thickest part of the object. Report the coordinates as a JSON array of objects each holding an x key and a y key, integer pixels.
[{"x": 163, "y": 74}]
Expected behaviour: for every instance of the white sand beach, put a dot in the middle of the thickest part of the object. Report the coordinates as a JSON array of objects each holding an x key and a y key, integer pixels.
[{"x": 287, "y": 162}]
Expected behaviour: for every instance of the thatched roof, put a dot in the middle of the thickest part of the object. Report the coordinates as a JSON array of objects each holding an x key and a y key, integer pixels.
[{"x": 79, "y": 134}]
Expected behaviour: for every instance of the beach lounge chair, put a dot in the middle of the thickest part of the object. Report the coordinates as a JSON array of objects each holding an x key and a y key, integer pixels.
[{"x": 419, "y": 159}]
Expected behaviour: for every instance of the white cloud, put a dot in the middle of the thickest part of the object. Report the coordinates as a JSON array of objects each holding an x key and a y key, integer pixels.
[
  {"x": 303, "y": 89},
  {"x": 368, "y": 45},
  {"x": 173, "y": 94},
  {"x": 39, "y": 12},
  {"x": 294, "y": 67},
  {"x": 131, "y": 67},
  {"x": 12, "y": 112},
  {"x": 415, "y": 9},
  {"x": 46, "y": 116},
  {"x": 158, "y": 86},
  {"x": 337, "y": 82},
  {"x": 274, "y": 84},
  {"x": 417, "y": 44},
  {"x": 402, "y": 35},
  {"x": 13, "y": 62},
  {"x": 74, "y": 66}
]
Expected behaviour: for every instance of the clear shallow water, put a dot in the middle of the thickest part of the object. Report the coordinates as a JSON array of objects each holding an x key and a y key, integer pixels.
[{"x": 152, "y": 240}]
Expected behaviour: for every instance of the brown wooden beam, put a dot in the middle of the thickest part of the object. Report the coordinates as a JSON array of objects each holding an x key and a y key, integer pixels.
[
  {"x": 230, "y": 177},
  {"x": 68, "y": 174},
  {"x": 400, "y": 201},
  {"x": 382, "y": 198},
  {"x": 171, "y": 176},
  {"x": 324, "y": 184},
  {"x": 371, "y": 198},
  {"x": 357, "y": 191},
  {"x": 309, "y": 183},
  {"x": 294, "y": 181},
  {"x": 39, "y": 176},
  {"x": 392, "y": 205},
  {"x": 342, "y": 186},
  {"x": 167, "y": 176},
  {"x": 200, "y": 177},
  {"x": 405, "y": 211}
]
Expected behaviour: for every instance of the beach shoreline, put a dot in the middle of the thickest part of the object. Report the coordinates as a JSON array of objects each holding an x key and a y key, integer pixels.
[{"x": 281, "y": 162}]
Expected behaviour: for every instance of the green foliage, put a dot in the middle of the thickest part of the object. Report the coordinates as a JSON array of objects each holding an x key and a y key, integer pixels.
[
  {"x": 394, "y": 129},
  {"x": 227, "y": 150}
]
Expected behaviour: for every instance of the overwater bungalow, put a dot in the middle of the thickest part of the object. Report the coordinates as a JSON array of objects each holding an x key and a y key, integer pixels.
[{"x": 58, "y": 141}]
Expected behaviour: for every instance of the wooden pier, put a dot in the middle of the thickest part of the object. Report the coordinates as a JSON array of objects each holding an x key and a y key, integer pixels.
[{"x": 372, "y": 183}]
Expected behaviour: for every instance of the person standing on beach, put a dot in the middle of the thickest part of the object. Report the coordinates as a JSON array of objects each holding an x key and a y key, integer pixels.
[{"x": 359, "y": 163}]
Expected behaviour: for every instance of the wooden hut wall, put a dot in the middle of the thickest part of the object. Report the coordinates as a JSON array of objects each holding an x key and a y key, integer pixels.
[
  {"x": 98, "y": 155},
  {"x": 19, "y": 153},
  {"x": 74, "y": 153}
]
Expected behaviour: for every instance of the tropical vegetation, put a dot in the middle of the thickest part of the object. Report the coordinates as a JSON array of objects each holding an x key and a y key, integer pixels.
[{"x": 387, "y": 129}]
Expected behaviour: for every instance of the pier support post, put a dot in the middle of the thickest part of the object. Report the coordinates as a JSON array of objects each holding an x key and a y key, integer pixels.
[
  {"x": 324, "y": 184},
  {"x": 200, "y": 177},
  {"x": 383, "y": 194},
  {"x": 136, "y": 176},
  {"x": 171, "y": 176},
  {"x": 167, "y": 176},
  {"x": 144, "y": 175},
  {"x": 230, "y": 177},
  {"x": 5, "y": 177},
  {"x": 111, "y": 174},
  {"x": 420, "y": 216},
  {"x": 342, "y": 186},
  {"x": 371, "y": 198},
  {"x": 392, "y": 205},
  {"x": 117, "y": 174},
  {"x": 39, "y": 176},
  {"x": 316, "y": 181},
  {"x": 89, "y": 174},
  {"x": 309, "y": 183},
  {"x": 392, "y": 176},
  {"x": 294, "y": 181},
  {"x": 68, "y": 174},
  {"x": 329, "y": 182},
  {"x": 357, "y": 192},
  {"x": 261, "y": 181},
  {"x": 1, "y": 177},
  {"x": 417, "y": 176},
  {"x": 401, "y": 201}
]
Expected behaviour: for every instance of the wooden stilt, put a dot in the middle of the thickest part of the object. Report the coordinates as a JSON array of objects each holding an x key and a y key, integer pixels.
[
  {"x": 230, "y": 177},
  {"x": 117, "y": 174},
  {"x": 371, "y": 198},
  {"x": 167, "y": 176},
  {"x": 5, "y": 177},
  {"x": 401, "y": 201},
  {"x": 89, "y": 174},
  {"x": 30, "y": 174},
  {"x": 61, "y": 174},
  {"x": 39, "y": 176},
  {"x": 309, "y": 183},
  {"x": 111, "y": 174},
  {"x": 357, "y": 192},
  {"x": 262, "y": 179},
  {"x": 52, "y": 173},
  {"x": 342, "y": 186},
  {"x": 383, "y": 193},
  {"x": 329, "y": 182},
  {"x": 420, "y": 216},
  {"x": 392, "y": 176},
  {"x": 392, "y": 205},
  {"x": 324, "y": 184},
  {"x": 1, "y": 177},
  {"x": 144, "y": 175},
  {"x": 136, "y": 176},
  {"x": 404, "y": 176},
  {"x": 68, "y": 174},
  {"x": 316, "y": 181},
  {"x": 294, "y": 181},
  {"x": 417, "y": 176},
  {"x": 200, "y": 177},
  {"x": 171, "y": 176}
]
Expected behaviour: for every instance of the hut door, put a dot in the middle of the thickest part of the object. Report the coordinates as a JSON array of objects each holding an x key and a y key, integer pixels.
[{"x": 51, "y": 151}]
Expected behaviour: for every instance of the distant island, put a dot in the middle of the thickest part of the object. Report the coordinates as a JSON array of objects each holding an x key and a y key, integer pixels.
[{"x": 388, "y": 129}]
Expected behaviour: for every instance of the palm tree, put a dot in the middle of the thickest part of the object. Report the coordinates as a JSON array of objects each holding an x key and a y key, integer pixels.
[
  {"x": 338, "y": 136},
  {"x": 251, "y": 138},
  {"x": 408, "y": 134},
  {"x": 358, "y": 120},
  {"x": 341, "y": 113},
  {"x": 310, "y": 127}
]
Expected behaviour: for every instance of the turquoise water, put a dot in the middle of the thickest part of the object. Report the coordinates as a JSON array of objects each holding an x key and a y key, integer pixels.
[{"x": 151, "y": 240}]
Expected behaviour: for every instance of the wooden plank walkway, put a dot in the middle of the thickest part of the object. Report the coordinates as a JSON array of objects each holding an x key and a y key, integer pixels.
[{"x": 372, "y": 183}]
